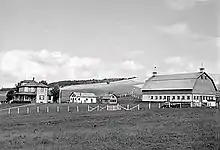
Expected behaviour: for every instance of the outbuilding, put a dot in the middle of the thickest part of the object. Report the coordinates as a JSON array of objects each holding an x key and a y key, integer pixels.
[
  {"x": 109, "y": 99},
  {"x": 81, "y": 97}
]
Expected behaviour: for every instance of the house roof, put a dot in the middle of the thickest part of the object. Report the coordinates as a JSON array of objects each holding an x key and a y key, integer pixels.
[
  {"x": 172, "y": 81},
  {"x": 107, "y": 96},
  {"x": 32, "y": 83},
  {"x": 82, "y": 94}
]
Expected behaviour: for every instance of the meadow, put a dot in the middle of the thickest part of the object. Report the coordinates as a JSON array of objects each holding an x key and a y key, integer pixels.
[{"x": 174, "y": 128}]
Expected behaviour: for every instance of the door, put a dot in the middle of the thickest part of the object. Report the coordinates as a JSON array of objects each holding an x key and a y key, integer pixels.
[{"x": 168, "y": 98}]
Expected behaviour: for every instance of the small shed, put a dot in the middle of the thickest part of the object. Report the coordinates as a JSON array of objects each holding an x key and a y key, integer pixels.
[{"x": 109, "y": 99}]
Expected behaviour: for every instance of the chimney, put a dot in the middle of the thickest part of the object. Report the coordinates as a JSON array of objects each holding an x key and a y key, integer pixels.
[
  {"x": 33, "y": 78},
  {"x": 155, "y": 71},
  {"x": 201, "y": 69}
]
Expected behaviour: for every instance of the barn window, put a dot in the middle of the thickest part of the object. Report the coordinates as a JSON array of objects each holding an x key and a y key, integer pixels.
[
  {"x": 178, "y": 97},
  {"x": 188, "y": 97},
  {"x": 183, "y": 97}
]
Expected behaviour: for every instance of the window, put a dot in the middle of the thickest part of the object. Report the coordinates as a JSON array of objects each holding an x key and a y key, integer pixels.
[
  {"x": 197, "y": 97},
  {"x": 151, "y": 97},
  {"x": 29, "y": 89},
  {"x": 188, "y": 97},
  {"x": 156, "y": 97},
  {"x": 194, "y": 97},
  {"x": 42, "y": 89},
  {"x": 178, "y": 97},
  {"x": 183, "y": 97},
  {"x": 41, "y": 97},
  {"x": 201, "y": 77},
  {"x": 173, "y": 97},
  {"x": 203, "y": 97},
  {"x": 205, "y": 78},
  {"x": 164, "y": 97},
  {"x": 160, "y": 97},
  {"x": 211, "y": 98}
]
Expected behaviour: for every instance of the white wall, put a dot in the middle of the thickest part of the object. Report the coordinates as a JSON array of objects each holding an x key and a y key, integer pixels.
[
  {"x": 41, "y": 93},
  {"x": 83, "y": 100}
]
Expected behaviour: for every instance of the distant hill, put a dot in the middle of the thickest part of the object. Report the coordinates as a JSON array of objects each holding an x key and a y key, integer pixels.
[{"x": 90, "y": 81}]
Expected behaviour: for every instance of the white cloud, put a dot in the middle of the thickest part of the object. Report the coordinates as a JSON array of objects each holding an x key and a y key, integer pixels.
[
  {"x": 131, "y": 65},
  {"x": 183, "y": 4},
  {"x": 47, "y": 65}
]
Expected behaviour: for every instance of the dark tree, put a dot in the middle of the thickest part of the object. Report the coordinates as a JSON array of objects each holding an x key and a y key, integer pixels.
[
  {"x": 55, "y": 92},
  {"x": 44, "y": 82},
  {"x": 10, "y": 95}
]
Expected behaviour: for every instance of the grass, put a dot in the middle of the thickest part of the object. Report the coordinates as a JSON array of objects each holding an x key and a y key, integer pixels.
[{"x": 188, "y": 128}]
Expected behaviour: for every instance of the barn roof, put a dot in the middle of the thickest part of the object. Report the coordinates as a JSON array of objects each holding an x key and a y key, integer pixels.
[{"x": 172, "y": 81}]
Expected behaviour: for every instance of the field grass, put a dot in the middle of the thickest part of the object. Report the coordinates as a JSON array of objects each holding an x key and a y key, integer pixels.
[{"x": 187, "y": 128}]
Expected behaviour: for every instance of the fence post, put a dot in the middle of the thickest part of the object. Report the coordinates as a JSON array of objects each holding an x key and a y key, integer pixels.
[
  {"x": 77, "y": 108},
  {"x": 98, "y": 108},
  {"x": 68, "y": 108},
  {"x": 88, "y": 107},
  {"x": 38, "y": 110},
  {"x": 28, "y": 110},
  {"x": 58, "y": 110},
  {"x": 180, "y": 105},
  {"x": 138, "y": 106},
  {"x": 18, "y": 110},
  {"x": 127, "y": 107},
  {"x": 9, "y": 111},
  {"x": 159, "y": 105},
  {"x": 149, "y": 105},
  {"x": 47, "y": 109}
]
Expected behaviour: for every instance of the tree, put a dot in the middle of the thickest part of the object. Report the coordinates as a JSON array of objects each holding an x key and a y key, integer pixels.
[
  {"x": 55, "y": 92},
  {"x": 44, "y": 82},
  {"x": 10, "y": 95}
]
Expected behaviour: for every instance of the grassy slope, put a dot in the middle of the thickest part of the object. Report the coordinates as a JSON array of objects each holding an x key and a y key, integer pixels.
[{"x": 145, "y": 129}]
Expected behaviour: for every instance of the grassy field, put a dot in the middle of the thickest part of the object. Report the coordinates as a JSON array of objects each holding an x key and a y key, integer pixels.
[{"x": 188, "y": 128}]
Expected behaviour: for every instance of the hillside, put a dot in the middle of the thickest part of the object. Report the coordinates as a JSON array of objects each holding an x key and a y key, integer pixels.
[{"x": 130, "y": 86}]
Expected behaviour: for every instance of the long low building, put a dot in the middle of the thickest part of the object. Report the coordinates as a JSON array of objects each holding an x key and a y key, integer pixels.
[{"x": 189, "y": 88}]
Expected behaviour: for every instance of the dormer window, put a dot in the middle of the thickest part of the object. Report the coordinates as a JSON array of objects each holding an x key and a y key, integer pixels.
[{"x": 201, "y": 77}]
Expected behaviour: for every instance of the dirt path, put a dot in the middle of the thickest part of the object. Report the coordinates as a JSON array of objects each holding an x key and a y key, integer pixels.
[{"x": 16, "y": 107}]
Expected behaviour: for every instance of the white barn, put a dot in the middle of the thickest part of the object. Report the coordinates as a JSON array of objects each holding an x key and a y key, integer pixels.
[
  {"x": 80, "y": 97},
  {"x": 194, "y": 89}
]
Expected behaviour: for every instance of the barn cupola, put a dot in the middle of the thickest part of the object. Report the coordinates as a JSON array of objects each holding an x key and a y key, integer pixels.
[
  {"x": 201, "y": 69},
  {"x": 155, "y": 71}
]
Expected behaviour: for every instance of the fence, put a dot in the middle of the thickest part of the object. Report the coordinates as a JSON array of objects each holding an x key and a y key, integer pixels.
[
  {"x": 113, "y": 108},
  {"x": 68, "y": 108}
]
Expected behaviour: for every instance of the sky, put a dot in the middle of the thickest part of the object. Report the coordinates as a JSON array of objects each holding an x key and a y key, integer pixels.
[{"x": 82, "y": 39}]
